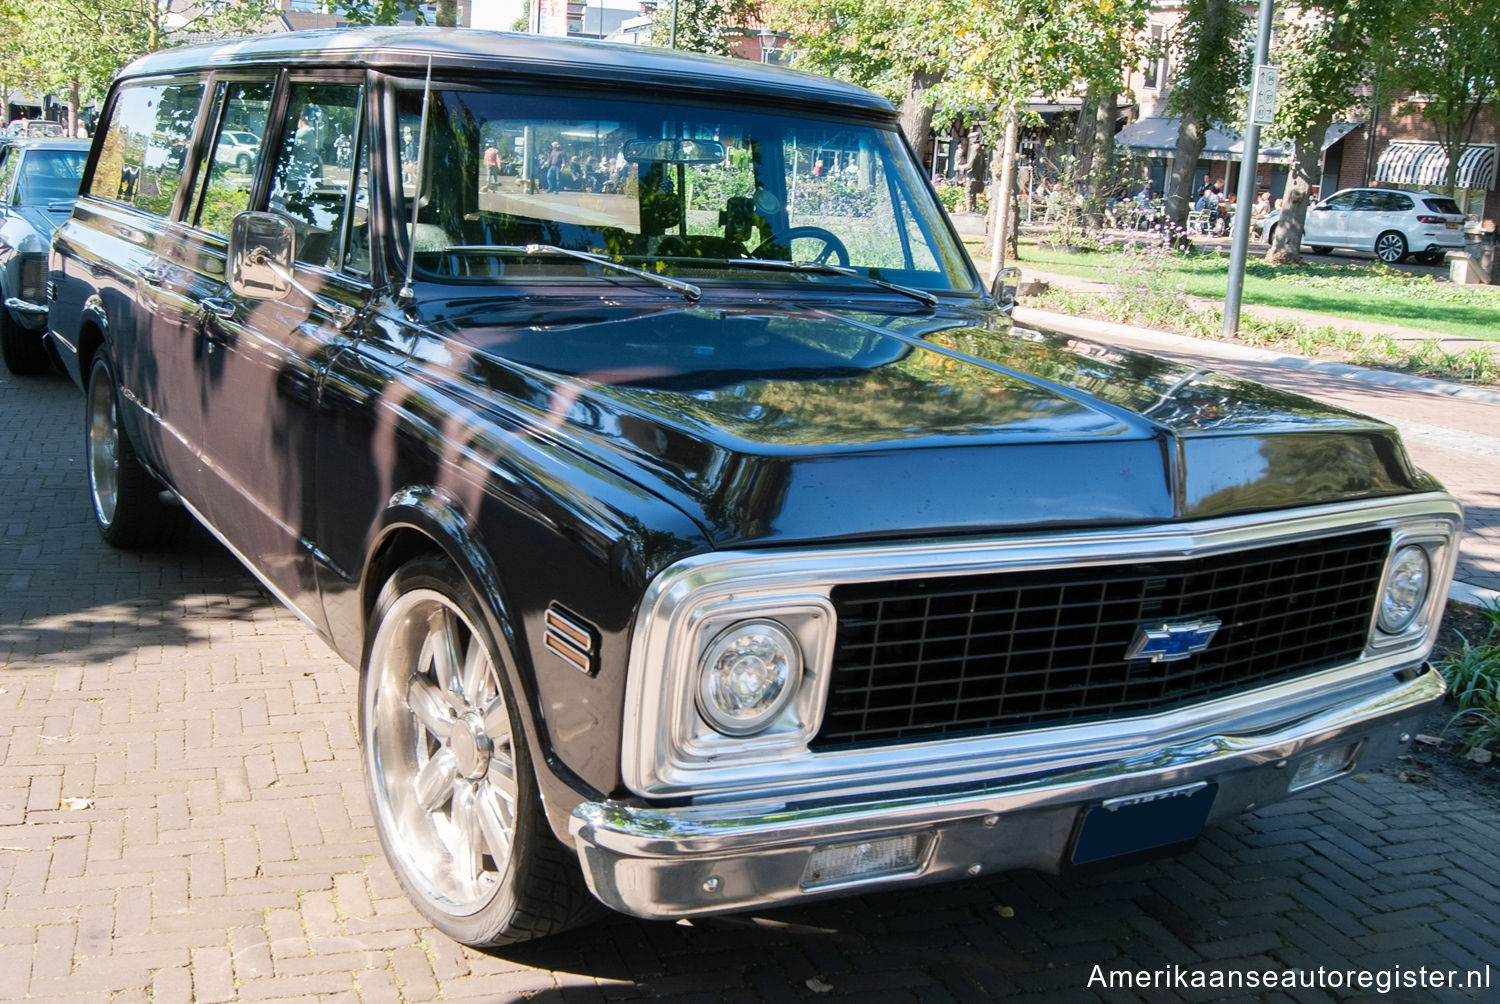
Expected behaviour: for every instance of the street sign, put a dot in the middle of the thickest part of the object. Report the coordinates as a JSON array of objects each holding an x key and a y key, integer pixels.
[{"x": 1263, "y": 95}]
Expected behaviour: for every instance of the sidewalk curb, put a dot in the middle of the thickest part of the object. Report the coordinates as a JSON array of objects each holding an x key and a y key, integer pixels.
[
  {"x": 1091, "y": 327},
  {"x": 1474, "y": 596}
]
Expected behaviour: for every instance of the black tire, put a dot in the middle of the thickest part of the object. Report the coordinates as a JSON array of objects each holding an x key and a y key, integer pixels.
[
  {"x": 242, "y": 162},
  {"x": 126, "y": 498},
  {"x": 451, "y": 785},
  {"x": 1322, "y": 249},
  {"x": 24, "y": 351},
  {"x": 1390, "y": 247}
]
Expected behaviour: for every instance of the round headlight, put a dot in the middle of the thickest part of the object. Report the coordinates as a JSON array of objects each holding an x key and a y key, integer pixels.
[
  {"x": 1405, "y": 589},
  {"x": 748, "y": 676}
]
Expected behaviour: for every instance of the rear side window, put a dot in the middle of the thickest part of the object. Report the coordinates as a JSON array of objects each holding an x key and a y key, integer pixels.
[
  {"x": 1441, "y": 205},
  {"x": 233, "y": 156},
  {"x": 146, "y": 145}
]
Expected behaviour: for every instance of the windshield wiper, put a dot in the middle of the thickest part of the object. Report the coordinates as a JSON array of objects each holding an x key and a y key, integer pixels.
[
  {"x": 827, "y": 268},
  {"x": 687, "y": 289}
]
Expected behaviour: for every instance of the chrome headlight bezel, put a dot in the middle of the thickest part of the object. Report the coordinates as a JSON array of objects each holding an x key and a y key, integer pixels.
[{"x": 1440, "y": 553}]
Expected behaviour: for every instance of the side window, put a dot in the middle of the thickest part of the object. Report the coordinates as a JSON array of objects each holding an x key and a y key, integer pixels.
[
  {"x": 357, "y": 253},
  {"x": 315, "y": 168},
  {"x": 1344, "y": 200},
  {"x": 12, "y": 157},
  {"x": 1399, "y": 203},
  {"x": 234, "y": 153},
  {"x": 145, "y": 146}
]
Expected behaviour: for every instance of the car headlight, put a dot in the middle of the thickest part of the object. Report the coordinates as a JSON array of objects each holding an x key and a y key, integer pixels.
[
  {"x": 1404, "y": 590},
  {"x": 747, "y": 677}
]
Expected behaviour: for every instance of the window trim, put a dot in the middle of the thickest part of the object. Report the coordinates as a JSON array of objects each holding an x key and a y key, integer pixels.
[{"x": 208, "y": 141}]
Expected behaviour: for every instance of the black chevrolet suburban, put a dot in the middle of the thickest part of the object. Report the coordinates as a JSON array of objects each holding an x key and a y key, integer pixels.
[{"x": 705, "y": 531}]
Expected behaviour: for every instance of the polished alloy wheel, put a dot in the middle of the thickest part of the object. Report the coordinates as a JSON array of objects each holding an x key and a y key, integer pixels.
[
  {"x": 104, "y": 447},
  {"x": 442, "y": 754},
  {"x": 1390, "y": 248}
]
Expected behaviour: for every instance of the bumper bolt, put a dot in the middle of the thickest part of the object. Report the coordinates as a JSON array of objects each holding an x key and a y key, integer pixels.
[
  {"x": 975, "y": 869},
  {"x": 991, "y": 821},
  {"x": 1406, "y": 737},
  {"x": 712, "y": 884}
]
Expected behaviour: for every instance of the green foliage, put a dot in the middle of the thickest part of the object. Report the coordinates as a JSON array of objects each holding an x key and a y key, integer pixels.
[
  {"x": 1473, "y": 676},
  {"x": 1210, "y": 54},
  {"x": 1448, "y": 51},
  {"x": 375, "y": 11},
  {"x": 700, "y": 25}
]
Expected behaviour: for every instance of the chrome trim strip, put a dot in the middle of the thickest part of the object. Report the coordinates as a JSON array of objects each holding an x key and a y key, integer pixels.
[
  {"x": 657, "y": 762},
  {"x": 21, "y": 306}
]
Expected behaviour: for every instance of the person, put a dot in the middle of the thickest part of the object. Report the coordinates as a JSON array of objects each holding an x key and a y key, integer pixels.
[
  {"x": 1205, "y": 203},
  {"x": 1143, "y": 197},
  {"x": 491, "y": 168},
  {"x": 552, "y": 179}
]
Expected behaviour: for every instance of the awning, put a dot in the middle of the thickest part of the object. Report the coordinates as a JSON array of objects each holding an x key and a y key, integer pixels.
[
  {"x": 1157, "y": 137},
  {"x": 1426, "y": 164}
]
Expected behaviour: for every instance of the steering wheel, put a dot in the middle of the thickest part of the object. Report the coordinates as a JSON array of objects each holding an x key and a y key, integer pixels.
[{"x": 832, "y": 246}]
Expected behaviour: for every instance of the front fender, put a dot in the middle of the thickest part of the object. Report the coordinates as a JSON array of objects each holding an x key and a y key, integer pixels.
[{"x": 419, "y": 519}]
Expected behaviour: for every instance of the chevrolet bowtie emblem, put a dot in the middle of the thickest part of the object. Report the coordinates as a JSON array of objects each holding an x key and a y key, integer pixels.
[{"x": 1171, "y": 642}]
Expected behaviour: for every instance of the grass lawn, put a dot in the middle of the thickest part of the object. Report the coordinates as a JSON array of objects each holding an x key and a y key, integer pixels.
[{"x": 1360, "y": 290}]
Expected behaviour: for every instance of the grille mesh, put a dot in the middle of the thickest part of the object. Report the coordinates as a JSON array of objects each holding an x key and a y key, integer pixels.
[{"x": 926, "y": 658}]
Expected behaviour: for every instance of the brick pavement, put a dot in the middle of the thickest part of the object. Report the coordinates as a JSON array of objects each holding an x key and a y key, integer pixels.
[{"x": 182, "y": 818}]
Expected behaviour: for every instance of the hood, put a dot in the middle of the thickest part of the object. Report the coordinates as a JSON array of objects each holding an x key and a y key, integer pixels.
[
  {"x": 45, "y": 218},
  {"x": 815, "y": 423}
]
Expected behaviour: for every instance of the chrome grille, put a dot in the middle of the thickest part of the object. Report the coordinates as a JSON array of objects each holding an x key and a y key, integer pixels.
[{"x": 928, "y": 658}]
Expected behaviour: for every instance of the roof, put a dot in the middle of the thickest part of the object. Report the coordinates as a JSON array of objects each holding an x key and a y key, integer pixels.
[{"x": 466, "y": 50}]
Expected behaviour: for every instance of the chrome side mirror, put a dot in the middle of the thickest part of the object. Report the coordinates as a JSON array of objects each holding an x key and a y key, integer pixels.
[
  {"x": 262, "y": 247},
  {"x": 1005, "y": 287}
]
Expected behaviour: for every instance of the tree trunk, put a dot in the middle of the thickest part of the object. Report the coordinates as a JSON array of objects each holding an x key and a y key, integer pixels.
[
  {"x": 1083, "y": 134},
  {"x": 447, "y": 13},
  {"x": 916, "y": 112},
  {"x": 1000, "y": 203},
  {"x": 74, "y": 100},
  {"x": 1307, "y": 171},
  {"x": 1190, "y": 138},
  {"x": 1101, "y": 178}
]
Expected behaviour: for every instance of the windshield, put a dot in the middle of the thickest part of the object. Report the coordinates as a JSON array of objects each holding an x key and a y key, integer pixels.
[
  {"x": 690, "y": 191},
  {"x": 50, "y": 176}
]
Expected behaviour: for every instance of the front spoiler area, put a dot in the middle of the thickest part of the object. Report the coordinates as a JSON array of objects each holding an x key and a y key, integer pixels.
[{"x": 676, "y": 862}]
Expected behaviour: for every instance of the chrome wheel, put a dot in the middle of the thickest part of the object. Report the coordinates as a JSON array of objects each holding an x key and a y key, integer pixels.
[
  {"x": 103, "y": 447},
  {"x": 1390, "y": 247},
  {"x": 440, "y": 753}
]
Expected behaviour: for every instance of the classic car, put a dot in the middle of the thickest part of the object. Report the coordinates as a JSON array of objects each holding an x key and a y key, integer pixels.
[
  {"x": 38, "y": 183},
  {"x": 710, "y": 537}
]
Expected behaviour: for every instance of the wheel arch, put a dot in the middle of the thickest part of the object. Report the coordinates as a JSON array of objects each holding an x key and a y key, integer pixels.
[{"x": 423, "y": 521}]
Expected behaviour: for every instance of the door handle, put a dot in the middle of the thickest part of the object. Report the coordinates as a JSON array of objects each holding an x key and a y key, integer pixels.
[
  {"x": 216, "y": 307},
  {"x": 152, "y": 274}
]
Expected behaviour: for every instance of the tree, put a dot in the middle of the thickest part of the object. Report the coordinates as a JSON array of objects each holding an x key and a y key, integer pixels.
[
  {"x": 376, "y": 11},
  {"x": 1448, "y": 58},
  {"x": 75, "y": 47},
  {"x": 1211, "y": 58},
  {"x": 700, "y": 25},
  {"x": 1325, "y": 54}
]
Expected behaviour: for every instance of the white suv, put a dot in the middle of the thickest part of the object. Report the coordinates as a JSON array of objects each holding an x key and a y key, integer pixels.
[{"x": 1390, "y": 223}]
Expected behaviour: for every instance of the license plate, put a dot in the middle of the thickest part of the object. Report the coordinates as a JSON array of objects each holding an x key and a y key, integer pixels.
[
  {"x": 1143, "y": 822},
  {"x": 1453, "y": 226}
]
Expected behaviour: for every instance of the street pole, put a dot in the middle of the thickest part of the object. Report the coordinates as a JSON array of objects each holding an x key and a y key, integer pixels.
[
  {"x": 672, "y": 36},
  {"x": 1240, "y": 244}
]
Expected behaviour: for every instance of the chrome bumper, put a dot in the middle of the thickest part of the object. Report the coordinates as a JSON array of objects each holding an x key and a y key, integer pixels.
[{"x": 677, "y": 862}]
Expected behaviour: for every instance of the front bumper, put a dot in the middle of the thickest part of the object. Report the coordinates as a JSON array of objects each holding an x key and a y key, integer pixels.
[{"x": 675, "y": 862}]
